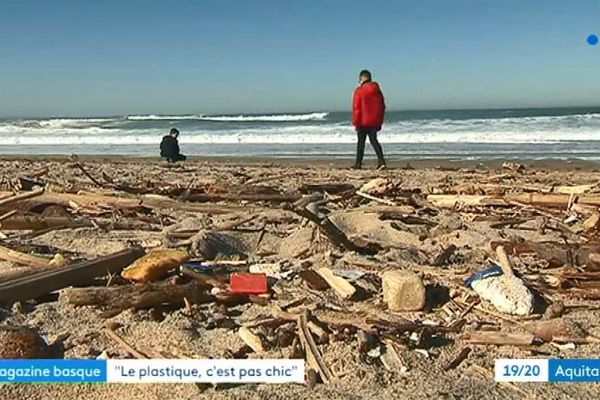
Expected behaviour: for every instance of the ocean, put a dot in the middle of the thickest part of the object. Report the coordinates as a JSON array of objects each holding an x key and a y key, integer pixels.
[{"x": 551, "y": 133}]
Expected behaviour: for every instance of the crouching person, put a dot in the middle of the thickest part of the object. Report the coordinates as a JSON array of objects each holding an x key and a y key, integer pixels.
[{"x": 169, "y": 147}]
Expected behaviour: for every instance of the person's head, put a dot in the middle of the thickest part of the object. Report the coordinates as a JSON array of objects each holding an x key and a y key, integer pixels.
[
  {"x": 174, "y": 132},
  {"x": 364, "y": 76}
]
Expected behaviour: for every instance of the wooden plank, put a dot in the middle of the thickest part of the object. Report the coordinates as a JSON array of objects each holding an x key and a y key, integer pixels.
[
  {"x": 35, "y": 285},
  {"x": 342, "y": 287}
]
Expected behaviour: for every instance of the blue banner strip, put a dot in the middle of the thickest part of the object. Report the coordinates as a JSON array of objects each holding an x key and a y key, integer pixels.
[
  {"x": 574, "y": 370},
  {"x": 57, "y": 371}
]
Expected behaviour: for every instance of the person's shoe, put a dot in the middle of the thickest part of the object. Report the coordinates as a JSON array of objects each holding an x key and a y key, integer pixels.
[
  {"x": 356, "y": 166},
  {"x": 381, "y": 167}
]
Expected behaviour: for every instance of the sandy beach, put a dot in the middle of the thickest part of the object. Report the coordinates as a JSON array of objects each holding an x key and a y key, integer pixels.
[{"x": 244, "y": 212}]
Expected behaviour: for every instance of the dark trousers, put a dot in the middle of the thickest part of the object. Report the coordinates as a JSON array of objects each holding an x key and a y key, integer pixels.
[
  {"x": 362, "y": 134},
  {"x": 176, "y": 157}
]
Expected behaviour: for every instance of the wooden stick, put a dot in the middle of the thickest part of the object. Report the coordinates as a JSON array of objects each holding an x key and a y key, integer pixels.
[
  {"x": 377, "y": 199},
  {"x": 313, "y": 355},
  {"x": 78, "y": 165},
  {"x": 459, "y": 358},
  {"x": 22, "y": 196},
  {"x": 113, "y": 335},
  {"x": 504, "y": 261},
  {"x": 22, "y": 258},
  {"x": 498, "y": 338},
  {"x": 7, "y": 215},
  {"x": 253, "y": 341},
  {"x": 342, "y": 287}
]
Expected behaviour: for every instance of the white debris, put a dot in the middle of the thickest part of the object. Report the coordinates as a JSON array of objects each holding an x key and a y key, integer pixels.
[{"x": 507, "y": 293}]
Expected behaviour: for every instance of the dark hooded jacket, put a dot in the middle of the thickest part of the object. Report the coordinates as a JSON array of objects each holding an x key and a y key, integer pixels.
[{"x": 169, "y": 147}]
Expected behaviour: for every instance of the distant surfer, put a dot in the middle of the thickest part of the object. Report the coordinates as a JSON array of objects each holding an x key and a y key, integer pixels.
[
  {"x": 368, "y": 109},
  {"x": 169, "y": 147}
]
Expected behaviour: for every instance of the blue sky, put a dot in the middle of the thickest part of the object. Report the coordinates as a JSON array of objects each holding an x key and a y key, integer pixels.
[{"x": 120, "y": 57}]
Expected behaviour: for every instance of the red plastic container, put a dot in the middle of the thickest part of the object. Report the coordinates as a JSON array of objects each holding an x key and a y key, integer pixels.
[{"x": 248, "y": 283}]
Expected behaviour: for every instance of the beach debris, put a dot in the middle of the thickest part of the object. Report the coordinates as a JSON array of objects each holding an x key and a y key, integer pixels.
[
  {"x": 116, "y": 299},
  {"x": 19, "y": 342},
  {"x": 22, "y": 258},
  {"x": 505, "y": 292},
  {"x": 498, "y": 338},
  {"x": 340, "y": 286},
  {"x": 124, "y": 344},
  {"x": 252, "y": 340},
  {"x": 377, "y": 186},
  {"x": 313, "y": 280},
  {"x": 403, "y": 291},
  {"x": 556, "y": 330},
  {"x": 458, "y": 358},
  {"x": 41, "y": 283},
  {"x": 512, "y": 166},
  {"x": 443, "y": 257},
  {"x": 155, "y": 265},
  {"x": 314, "y": 358},
  {"x": 248, "y": 283},
  {"x": 591, "y": 223}
]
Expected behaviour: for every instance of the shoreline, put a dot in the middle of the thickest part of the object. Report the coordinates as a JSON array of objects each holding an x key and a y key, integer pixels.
[{"x": 333, "y": 162}]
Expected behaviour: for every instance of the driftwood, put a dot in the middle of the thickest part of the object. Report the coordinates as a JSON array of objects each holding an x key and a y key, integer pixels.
[
  {"x": 556, "y": 253},
  {"x": 340, "y": 286},
  {"x": 129, "y": 348},
  {"x": 7, "y": 201},
  {"x": 443, "y": 256},
  {"x": 451, "y": 200},
  {"x": 155, "y": 202},
  {"x": 314, "y": 358},
  {"x": 459, "y": 358},
  {"x": 305, "y": 207},
  {"x": 275, "y": 198},
  {"x": 552, "y": 200},
  {"x": 329, "y": 187},
  {"x": 36, "y": 285},
  {"x": 252, "y": 340},
  {"x": 137, "y": 296},
  {"x": 36, "y": 222},
  {"x": 22, "y": 258},
  {"x": 498, "y": 338}
]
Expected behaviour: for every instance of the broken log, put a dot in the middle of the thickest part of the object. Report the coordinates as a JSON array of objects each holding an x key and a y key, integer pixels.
[
  {"x": 39, "y": 284},
  {"x": 136, "y": 296}
]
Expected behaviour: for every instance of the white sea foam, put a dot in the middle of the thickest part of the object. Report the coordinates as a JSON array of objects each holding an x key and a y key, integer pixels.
[
  {"x": 108, "y": 131},
  {"x": 267, "y": 118},
  {"x": 154, "y": 117},
  {"x": 232, "y": 118}
]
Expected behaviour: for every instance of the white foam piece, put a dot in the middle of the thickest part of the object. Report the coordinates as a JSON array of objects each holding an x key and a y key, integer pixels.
[{"x": 507, "y": 293}]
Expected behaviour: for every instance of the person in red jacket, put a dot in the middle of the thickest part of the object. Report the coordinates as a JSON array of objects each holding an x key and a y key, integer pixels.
[{"x": 368, "y": 109}]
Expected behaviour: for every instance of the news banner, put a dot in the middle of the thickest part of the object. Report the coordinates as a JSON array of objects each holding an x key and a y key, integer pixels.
[
  {"x": 253, "y": 371},
  {"x": 152, "y": 371}
]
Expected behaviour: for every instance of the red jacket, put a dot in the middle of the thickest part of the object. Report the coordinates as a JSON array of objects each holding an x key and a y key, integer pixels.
[{"x": 368, "y": 106}]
